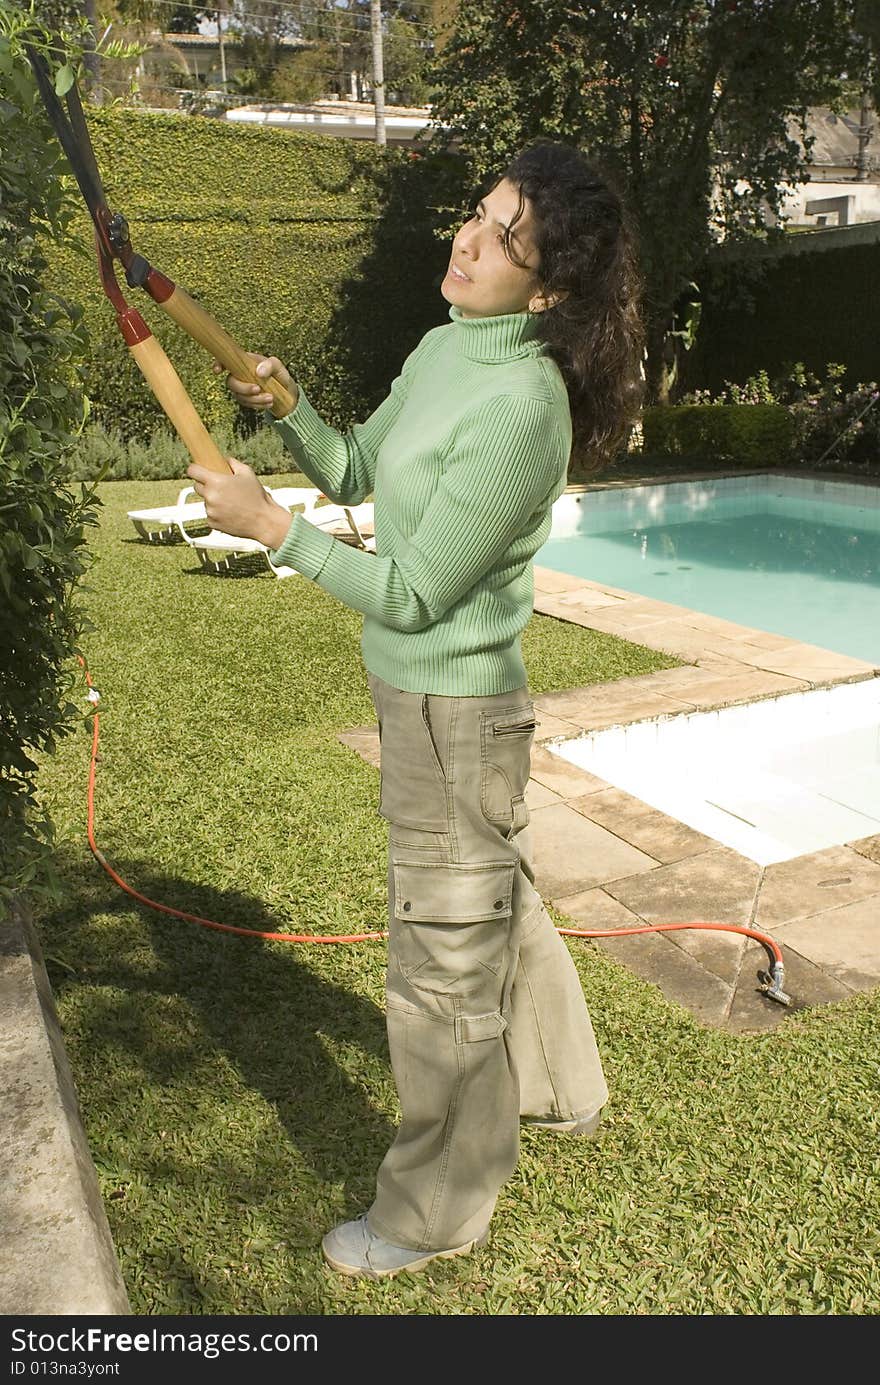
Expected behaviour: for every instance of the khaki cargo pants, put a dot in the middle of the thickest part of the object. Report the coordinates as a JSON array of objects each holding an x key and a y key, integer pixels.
[{"x": 485, "y": 1011}]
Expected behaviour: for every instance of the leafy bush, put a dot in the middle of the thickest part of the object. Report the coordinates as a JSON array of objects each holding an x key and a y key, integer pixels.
[
  {"x": 42, "y": 523},
  {"x": 829, "y": 423},
  {"x": 750, "y": 434},
  {"x": 833, "y": 424},
  {"x": 102, "y": 453}
]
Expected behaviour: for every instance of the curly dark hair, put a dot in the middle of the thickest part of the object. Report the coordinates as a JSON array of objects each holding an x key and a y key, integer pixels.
[{"x": 587, "y": 257}]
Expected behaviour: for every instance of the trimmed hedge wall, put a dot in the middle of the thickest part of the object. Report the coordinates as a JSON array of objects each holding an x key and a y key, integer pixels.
[
  {"x": 813, "y": 306},
  {"x": 317, "y": 250},
  {"x": 752, "y": 434}
]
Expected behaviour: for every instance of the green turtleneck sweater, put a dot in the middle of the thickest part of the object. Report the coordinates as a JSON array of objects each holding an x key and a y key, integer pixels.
[{"x": 464, "y": 459}]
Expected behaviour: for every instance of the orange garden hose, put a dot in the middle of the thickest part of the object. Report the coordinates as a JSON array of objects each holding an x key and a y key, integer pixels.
[{"x": 771, "y": 988}]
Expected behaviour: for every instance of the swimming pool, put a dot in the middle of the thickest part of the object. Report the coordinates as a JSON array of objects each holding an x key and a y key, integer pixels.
[{"x": 791, "y": 555}]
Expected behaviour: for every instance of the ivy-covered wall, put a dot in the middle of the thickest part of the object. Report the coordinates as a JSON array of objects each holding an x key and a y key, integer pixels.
[
  {"x": 317, "y": 250},
  {"x": 813, "y": 306}
]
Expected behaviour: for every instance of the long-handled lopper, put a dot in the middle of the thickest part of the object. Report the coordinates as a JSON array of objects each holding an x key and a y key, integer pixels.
[{"x": 113, "y": 243}]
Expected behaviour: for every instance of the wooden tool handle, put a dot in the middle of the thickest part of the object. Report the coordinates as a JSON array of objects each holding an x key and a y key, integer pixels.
[
  {"x": 168, "y": 389},
  {"x": 206, "y": 330}
]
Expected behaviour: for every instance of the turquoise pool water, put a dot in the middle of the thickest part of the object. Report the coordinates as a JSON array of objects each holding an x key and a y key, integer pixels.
[{"x": 792, "y": 556}]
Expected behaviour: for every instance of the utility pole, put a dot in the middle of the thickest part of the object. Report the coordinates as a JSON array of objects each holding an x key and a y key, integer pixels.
[
  {"x": 378, "y": 69},
  {"x": 220, "y": 44},
  {"x": 91, "y": 56},
  {"x": 865, "y": 132}
]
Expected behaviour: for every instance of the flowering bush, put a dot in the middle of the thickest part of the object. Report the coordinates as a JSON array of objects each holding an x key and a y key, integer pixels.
[{"x": 830, "y": 423}]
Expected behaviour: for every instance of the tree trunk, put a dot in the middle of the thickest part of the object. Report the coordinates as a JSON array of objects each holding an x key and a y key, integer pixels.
[
  {"x": 91, "y": 58},
  {"x": 658, "y": 365}
]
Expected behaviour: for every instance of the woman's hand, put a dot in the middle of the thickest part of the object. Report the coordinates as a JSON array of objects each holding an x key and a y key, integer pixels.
[
  {"x": 252, "y": 396},
  {"x": 240, "y": 504}
]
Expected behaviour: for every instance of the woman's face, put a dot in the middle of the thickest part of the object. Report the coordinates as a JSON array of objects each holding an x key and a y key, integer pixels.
[{"x": 481, "y": 280}]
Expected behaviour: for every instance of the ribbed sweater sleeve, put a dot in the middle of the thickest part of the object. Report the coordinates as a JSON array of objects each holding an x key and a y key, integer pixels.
[
  {"x": 343, "y": 465},
  {"x": 504, "y": 463}
]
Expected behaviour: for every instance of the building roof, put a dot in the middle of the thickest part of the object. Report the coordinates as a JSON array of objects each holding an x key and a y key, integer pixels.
[{"x": 837, "y": 138}]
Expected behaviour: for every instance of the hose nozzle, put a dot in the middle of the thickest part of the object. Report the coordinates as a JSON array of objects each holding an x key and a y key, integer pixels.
[{"x": 772, "y": 987}]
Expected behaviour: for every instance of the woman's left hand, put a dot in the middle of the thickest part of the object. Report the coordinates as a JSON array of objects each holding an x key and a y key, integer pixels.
[{"x": 240, "y": 504}]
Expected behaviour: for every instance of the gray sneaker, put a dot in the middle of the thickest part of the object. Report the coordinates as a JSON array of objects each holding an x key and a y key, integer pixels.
[
  {"x": 352, "y": 1248},
  {"x": 582, "y": 1125}
]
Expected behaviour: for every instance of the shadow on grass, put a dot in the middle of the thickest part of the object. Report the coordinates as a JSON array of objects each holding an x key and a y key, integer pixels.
[{"x": 158, "y": 1005}]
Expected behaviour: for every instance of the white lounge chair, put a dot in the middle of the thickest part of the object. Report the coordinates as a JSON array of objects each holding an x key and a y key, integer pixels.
[
  {"x": 216, "y": 550},
  {"x": 169, "y": 521},
  {"x": 175, "y": 521}
]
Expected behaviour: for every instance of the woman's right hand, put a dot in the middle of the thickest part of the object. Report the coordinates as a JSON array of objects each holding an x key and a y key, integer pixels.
[{"x": 253, "y": 396}]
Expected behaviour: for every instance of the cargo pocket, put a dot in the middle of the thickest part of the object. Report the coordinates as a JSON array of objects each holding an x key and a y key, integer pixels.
[
  {"x": 413, "y": 785},
  {"x": 452, "y": 924},
  {"x": 505, "y": 756}
]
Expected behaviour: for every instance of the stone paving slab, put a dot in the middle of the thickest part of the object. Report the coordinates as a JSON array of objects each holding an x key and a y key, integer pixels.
[
  {"x": 681, "y": 979},
  {"x": 807, "y": 984},
  {"x": 588, "y": 600},
  {"x": 570, "y": 853},
  {"x": 717, "y": 952},
  {"x": 610, "y": 704},
  {"x": 868, "y": 846},
  {"x": 548, "y": 727},
  {"x": 717, "y": 663},
  {"x": 810, "y": 662},
  {"x": 639, "y": 615},
  {"x": 732, "y": 689},
  {"x": 715, "y": 887},
  {"x": 717, "y": 625},
  {"x": 539, "y": 796},
  {"x": 844, "y": 942},
  {"x": 642, "y": 826},
  {"x": 675, "y": 637},
  {"x": 814, "y": 883},
  {"x": 58, "y": 1254},
  {"x": 687, "y": 680},
  {"x": 548, "y": 580},
  {"x": 596, "y": 909},
  {"x": 365, "y": 741},
  {"x": 561, "y": 776}
]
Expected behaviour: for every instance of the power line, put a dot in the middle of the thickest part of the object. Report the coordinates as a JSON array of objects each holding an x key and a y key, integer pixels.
[{"x": 285, "y": 6}]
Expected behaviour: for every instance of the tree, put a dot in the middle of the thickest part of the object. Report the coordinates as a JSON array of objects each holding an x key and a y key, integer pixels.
[
  {"x": 867, "y": 26},
  {"x": 342, "y": 28},
  {"x": 699, "y": 109},
  {"x": 186, "y": 19}
]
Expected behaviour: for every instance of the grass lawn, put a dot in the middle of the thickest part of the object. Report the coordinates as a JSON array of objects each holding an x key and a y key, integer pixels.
[{"x": 237, "y": 1094}]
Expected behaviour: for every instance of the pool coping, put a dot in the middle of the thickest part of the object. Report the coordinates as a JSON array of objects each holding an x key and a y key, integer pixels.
[{"x": 607, "y": 861}]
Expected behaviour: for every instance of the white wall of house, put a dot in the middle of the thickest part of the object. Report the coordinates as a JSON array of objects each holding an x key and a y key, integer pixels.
[
  {"x": 825, "y": 202},
  {"x": 348, "y": 119}
]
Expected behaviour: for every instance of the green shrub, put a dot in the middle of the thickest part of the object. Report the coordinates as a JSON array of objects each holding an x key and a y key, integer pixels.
[
  {"x": 748, "y": 434},
  {"x": 42, "y": 523},
  {"x": 830, "y": 424},
  {"x": 102, "y": 453}
]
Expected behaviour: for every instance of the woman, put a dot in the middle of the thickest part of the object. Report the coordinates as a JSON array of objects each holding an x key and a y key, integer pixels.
[{"x": 487, "y": 1022}]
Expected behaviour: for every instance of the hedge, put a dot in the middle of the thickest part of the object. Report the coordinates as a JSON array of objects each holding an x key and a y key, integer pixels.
[
  {"x": 767, "y": 312},
  {"x": 318, "y": 250},
  {"x": 43, "y": 521},
  {"x": 751, "y": 434}
]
